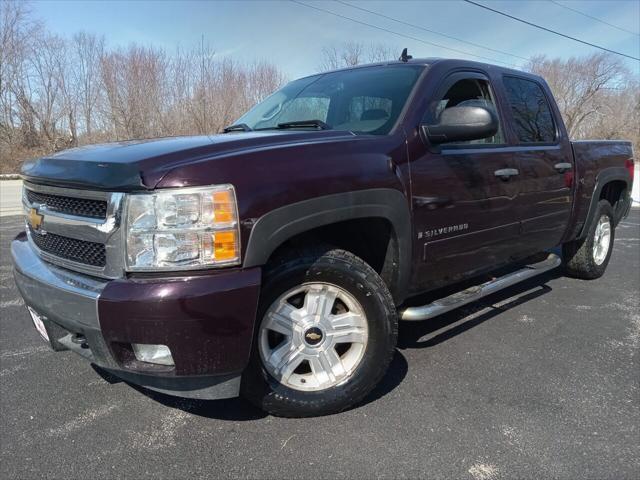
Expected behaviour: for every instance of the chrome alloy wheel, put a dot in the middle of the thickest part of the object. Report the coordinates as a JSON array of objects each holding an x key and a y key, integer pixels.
[
  {"x": 602, "y": 240},
  {"x": 313, "y": 337}
]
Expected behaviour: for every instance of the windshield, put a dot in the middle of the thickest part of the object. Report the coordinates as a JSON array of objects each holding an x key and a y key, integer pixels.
[{"x": 366, "y": 100}]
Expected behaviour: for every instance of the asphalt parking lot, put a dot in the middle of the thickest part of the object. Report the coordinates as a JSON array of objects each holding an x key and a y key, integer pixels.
[{"x": 540, "y": 381}]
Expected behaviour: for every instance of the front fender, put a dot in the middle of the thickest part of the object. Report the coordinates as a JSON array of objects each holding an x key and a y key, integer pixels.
[{"x": 274, "y": 228}]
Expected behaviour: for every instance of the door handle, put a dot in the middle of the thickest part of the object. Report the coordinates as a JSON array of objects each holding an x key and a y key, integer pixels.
[
  {"x": 563, "y": 167},
  {"x": 506, "y": 173}
]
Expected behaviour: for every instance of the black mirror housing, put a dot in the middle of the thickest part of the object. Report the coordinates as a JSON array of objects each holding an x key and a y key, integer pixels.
[{"x": 462, "y": 123}]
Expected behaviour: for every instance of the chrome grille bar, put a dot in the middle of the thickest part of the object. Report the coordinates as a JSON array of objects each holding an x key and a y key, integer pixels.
[
  {"x": 105, "y": 231},
  {"x": 81, "y": 207}
]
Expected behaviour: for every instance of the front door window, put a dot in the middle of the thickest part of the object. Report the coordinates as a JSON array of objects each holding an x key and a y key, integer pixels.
[{"x": 468, "y": 92}]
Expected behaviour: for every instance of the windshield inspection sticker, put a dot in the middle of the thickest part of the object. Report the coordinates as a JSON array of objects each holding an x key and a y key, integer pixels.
[{"x": 436, "y": 232}]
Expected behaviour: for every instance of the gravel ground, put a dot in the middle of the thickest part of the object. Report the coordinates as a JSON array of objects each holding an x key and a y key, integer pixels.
[{"x": 539, "y": 381}]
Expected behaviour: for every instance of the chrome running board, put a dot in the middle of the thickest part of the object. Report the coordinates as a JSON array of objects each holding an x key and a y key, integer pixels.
[{"x": 476, "y": 292}]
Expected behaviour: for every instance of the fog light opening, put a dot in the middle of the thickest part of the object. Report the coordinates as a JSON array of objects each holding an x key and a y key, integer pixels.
[{"x": 158, "y": 354}]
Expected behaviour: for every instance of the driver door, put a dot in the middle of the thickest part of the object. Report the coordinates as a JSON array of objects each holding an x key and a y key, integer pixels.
[{"x": 464, "y": 215}]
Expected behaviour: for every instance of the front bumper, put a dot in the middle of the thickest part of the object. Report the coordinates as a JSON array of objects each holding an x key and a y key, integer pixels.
[{"x": 206, "y": 320}]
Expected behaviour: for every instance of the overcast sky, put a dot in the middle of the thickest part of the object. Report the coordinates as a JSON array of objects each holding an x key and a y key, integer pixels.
[{"x": 292, "y": 36}]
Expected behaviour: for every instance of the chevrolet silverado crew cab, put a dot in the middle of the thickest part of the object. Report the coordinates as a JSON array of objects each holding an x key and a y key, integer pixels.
[{"x": 276, "y": 259}]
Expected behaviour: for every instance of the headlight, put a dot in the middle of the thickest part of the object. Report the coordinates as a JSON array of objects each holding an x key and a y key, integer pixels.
[{"x": 182, "y": 229}]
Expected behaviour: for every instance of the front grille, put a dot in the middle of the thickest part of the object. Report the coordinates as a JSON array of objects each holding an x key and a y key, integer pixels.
[
  {"x": 82, "y": 207},
  {"x": 80, "y": 251}
]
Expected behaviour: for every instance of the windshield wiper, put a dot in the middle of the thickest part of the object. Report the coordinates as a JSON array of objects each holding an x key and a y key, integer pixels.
[
  {"x": 319, "y": 124},
  {"x": 238, "y": 127}
]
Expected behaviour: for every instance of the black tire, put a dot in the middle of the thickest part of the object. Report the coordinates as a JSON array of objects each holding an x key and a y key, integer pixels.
[
  {"x": 349, "y": 272},
  {"x": 579, "y": 255}
]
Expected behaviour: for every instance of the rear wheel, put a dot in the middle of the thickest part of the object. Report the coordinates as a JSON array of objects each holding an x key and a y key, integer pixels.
[
  {"x": 326, "y": 334},
  {"x": 588, "y": 258}
]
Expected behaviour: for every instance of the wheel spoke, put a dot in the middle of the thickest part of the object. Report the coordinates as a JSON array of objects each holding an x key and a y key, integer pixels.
[
  {"x": 347, "y": 320},
  {"x": 278, "y": 357},
  {"x": 332, "y": 364},
  {"x": 285, "y": 359},
  {"x": 282, "y": 320},
  {"x": 292, "y": 361},
  {"x": 311, "y": 300},
  {"x": 287, "y": 310},
  {"x": 319, "y": 301},
  {"x": 328, "y": 300},
  {"x": 349, "y": 335},
  {"x": 318, "y": 371}
]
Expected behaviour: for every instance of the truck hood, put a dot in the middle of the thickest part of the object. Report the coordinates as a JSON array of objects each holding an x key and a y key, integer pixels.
[{"x": 141, "y": 164}]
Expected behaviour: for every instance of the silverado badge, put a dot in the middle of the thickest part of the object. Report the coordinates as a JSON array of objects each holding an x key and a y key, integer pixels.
[{"x": 35, "y": 219}]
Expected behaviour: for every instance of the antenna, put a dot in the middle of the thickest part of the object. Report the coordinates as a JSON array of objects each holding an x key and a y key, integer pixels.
[{"x": 404, "y": 56}]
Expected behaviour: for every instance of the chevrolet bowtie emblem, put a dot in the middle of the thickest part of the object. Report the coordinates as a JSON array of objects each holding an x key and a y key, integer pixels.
[
  {"x": 35, "y": 219},
  {"x": 313, "y": 336}
]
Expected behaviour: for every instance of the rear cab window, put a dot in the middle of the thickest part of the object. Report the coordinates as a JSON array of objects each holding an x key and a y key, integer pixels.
[{"x": 532, "y": 117}]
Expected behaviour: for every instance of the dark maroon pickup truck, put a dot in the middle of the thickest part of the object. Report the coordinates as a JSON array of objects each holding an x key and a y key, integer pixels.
[{"x": 275, "y": 260}]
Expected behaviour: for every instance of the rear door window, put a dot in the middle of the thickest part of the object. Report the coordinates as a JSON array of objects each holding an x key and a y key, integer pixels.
[{"x": 533, "y": 120}]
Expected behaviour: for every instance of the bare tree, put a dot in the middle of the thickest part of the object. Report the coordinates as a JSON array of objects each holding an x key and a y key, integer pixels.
[
  {"x": 40, "y": 87},
  {"x": 264, "y": 78},
  {"x": 67, "y": 135},
  {"x": 382, "y": 53},
  {"x": 17, "y": 32},
  {"x": 579, "y": 84},
  {"x": 88, "y": 50},
  {"x": 597, "y": 95},
  {"x": 134, "y": 81},
  {"x": 350, "y": 54},
  {"x": 330, "y": 59}
]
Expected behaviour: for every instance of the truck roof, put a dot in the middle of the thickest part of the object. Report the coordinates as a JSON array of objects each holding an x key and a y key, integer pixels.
[{"x": 428, "y": 61}]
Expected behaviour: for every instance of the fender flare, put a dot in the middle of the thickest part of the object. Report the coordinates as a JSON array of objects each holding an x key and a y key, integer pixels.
[
  {"x": 274, "y": 228},
  {"x": 604, "y": 177}
]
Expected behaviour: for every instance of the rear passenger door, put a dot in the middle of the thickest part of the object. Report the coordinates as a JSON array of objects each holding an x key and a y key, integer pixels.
[{"x": 545, "y": 164}]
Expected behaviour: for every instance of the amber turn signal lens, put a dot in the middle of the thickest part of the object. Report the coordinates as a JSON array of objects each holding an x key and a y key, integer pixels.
[
  {"x": 223, "y": 206},
  {"x": 225, "y": 245}
]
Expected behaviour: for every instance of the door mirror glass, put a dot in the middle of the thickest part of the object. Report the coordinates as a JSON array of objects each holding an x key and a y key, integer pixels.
[{"x": 462, "y": 123}]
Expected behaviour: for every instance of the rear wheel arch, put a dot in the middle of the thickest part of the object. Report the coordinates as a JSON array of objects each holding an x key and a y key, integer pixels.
[
  {"x": 611, "y": 185},
  {"x": 614, "y": 192},
  {"x": 319, "y": 220}
]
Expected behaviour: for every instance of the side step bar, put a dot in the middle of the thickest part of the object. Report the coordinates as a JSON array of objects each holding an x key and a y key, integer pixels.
[{"x": 476, "y": 292}]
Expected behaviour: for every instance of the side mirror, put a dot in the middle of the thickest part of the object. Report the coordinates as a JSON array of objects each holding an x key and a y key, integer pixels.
[{"x": 462, "y": 123}]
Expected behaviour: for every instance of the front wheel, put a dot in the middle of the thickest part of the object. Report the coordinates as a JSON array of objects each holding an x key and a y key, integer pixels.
[
  {"x": 327, "y": 331},
  {"x": 588, "y": 258}
]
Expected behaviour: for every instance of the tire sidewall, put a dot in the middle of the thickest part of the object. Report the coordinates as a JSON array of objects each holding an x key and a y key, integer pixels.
[{"x": 382, "y": 334}]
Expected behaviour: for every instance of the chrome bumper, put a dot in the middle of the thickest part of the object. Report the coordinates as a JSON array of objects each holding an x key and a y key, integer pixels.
[
  {"x": 59, "y": 294},
  {"x": 68, "y": 303},
  {"x": 65, "y": 299}
]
